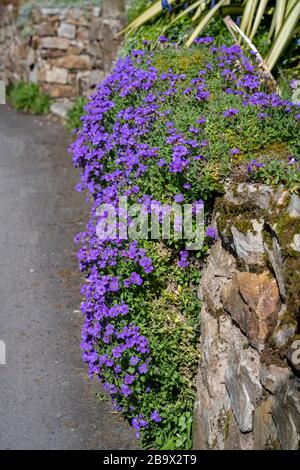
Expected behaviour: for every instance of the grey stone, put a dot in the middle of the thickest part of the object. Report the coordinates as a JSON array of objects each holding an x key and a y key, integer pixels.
[
  {"x": 286, "y": 414},
  {"x": 66, "y": 30},
  {"x": 61, "y": 108},
  {"x": 281, "y": 195},
  {"x": 49, "y": 11},
  {"x": 97, "y": 11},
  {"x": 54, "y": 11},
  {"x": 212, "y": 402},
  {"x": 73, "y": 61},
  {"x": 94, "y": 49},
  {"x": 96, "y": 77},
  {"x": 54, "y": 43},
  {"x": 244, "y": 388},
  {"x": 294, "y": 207},
  {"x": 272, "y": 376},
  {"x": 75, "y": 13},
  {"x": 57, "y": 75},
  {"x": 264, "y": 430},
  {"x": 234, "y": 438},
  {"x": 32, "y": 77},
  {"x": 30, "y": 59},
  {"x": 283, "y": 334},
  {"x": 259, "y": 195},
  {"x": 293, "y": 354},
  {"x": 219, "y": 268},
  {"x": 295, "y": 245},
  {"x": 276, "y": 258},
  {"x": 2, "y": 35},
  {"x": 95, "y": 32},
  {"x": 113, "y": 10},
  {"x": 45, "y": 29},
  {"x": 249, "y": 246}
]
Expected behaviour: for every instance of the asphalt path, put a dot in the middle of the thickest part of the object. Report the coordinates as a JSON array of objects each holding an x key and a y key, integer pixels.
[{"x": 46, "y": 398}]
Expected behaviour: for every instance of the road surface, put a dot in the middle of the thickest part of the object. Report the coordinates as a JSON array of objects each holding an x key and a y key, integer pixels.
[{"x": 46, "y": 398}]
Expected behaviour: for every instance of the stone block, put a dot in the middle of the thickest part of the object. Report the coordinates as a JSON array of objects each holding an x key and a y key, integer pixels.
[
  {"x": 54, "y": 43},
  {"x": 286, "y": 414},
  {"x": 253, "y": 302},
  {"x": 66, "y": 30},
  {"x": 264, "y": 430},
  {"x": 57, "y": 75},
  {"x": 81, "y": 62}
]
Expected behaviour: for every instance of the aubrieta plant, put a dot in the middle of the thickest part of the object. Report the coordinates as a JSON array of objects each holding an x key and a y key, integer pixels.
[{"x": 164, "y": 127}]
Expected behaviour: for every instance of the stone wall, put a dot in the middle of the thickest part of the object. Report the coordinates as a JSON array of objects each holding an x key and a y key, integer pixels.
[
  {"x": 248, "y": 386},
  {"x": 67, "y": 50}
]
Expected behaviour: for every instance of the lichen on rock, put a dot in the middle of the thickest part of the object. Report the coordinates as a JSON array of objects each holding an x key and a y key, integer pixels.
[{"x": 248, "y": 387}]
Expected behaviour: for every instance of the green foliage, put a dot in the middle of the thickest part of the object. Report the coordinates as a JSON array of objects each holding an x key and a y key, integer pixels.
[
  {"x": 166, "y": 307},
  {"x": 280, "y": 17},
  {"x": 270, "y": 139},
  {"x": 74, "y": 115},
  {"x": 276, "y": 172},
  {"x": 167, "y": 311},
  {"x": 136, "y": 8},
  {"x": 29, "y": 98}
]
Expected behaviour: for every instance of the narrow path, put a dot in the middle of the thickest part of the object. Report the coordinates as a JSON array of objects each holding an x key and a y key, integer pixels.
[{"x": 46, "y": 399}]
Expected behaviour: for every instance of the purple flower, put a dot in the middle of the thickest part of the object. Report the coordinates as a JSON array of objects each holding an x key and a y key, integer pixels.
[
  {"x": 125, "y": 390},
  {"x": 183, "y": 262},
  {"x": 155, "y": 416},
  {"x": 292, "y": 160},
  {"x": 143, "y": 368},
  {"x": 231, "y": 112},
  {"x": 134, "y": 360},
  {"x": 129, "y": 379},
  {"x": 161, "y": 162},
  {"x": 294, "y": 83},
  {"x": 162, "y": 38},
  {"x": 114, "y": 284},
  {"x": 211, "y": 232},
  {"x": 262, "y": 115},
  {"x": 201, "y": 120},
  {"x": 253, "y": 165},
  {"x": 135, "y": 278},
  {"x": 178, "y": 198},
  {"x": 204, "y": 40}
]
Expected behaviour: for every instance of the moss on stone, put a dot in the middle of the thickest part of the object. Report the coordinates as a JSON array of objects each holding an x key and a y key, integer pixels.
[
  {"x": 239, "y": 215},
  {"x": 226, "y": 426}
]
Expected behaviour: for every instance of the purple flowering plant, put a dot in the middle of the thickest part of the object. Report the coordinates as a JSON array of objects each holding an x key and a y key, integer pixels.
[{"x": 142, "y": 133}]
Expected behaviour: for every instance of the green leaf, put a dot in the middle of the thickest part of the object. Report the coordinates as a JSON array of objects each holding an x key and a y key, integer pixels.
[
  {"x": 247, "y": 15},
  {"x": 279, "y": 15},
  {"x": 283, "y": 37},
  {"x": 204, "y": 22},
  {"x": 251, "y": 17},
  {"x": 259, "y": 15},
  {"x": 149, "y": 14}
]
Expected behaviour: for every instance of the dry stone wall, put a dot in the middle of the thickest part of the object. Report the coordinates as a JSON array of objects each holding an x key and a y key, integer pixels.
[
  {"x": 67, "y": 50},
  {"x": 248, "y": 386}
]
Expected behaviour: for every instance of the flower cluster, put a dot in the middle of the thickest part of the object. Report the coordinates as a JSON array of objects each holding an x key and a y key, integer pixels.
[{"x": 145, "y": 135}]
